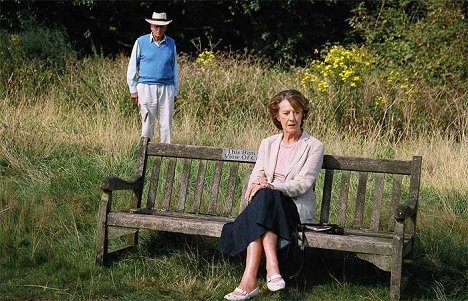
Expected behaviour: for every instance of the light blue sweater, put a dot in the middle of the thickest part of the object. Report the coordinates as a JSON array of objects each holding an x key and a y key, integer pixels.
[
  {"x": 156, "y": 62},
  {"x": 151, "y": 63}
]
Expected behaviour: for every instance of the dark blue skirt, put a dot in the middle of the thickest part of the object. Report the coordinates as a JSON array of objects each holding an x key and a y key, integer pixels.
[{"x": 269, "y": 210}]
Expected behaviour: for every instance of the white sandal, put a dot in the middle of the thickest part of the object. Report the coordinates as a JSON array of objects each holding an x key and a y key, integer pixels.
[
  {"x": 243, "y": 295},
  {"x": 275, "y": 286}
]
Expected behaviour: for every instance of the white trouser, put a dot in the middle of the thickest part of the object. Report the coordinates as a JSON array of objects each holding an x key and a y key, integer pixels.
[{"x": 156, "y": 100}]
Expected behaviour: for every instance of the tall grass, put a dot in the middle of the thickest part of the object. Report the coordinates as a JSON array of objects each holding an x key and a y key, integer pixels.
[{"x": 57, "y": 144}]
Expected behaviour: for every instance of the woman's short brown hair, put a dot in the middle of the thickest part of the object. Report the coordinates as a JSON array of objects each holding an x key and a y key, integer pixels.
[{"x": 297, "y": 101}]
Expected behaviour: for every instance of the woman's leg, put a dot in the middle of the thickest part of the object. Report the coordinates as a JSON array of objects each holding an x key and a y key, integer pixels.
[
  {"x": 269, "y": 245},
  {"x": 252, "y": 263}
]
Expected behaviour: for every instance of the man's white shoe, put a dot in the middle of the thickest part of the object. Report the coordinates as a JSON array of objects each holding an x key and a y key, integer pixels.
[
  {"x": 277, "y": 285},
  {"x": 242, "y": 295}
]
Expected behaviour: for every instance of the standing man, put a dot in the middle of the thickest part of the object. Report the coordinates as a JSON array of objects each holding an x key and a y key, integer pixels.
[{"x": 152, "y": 77}]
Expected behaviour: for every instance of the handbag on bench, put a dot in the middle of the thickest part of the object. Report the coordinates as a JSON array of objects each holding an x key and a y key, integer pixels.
[
  {"x": 321, "y": 228},
  {"x": 292, "y": 258}
]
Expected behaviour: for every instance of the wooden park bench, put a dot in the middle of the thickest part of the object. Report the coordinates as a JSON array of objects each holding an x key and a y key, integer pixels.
[{"x": 197, "y": 189}]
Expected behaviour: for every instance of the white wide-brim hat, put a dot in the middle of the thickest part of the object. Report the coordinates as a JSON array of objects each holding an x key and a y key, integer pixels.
[{"x": 158, "y": 19}]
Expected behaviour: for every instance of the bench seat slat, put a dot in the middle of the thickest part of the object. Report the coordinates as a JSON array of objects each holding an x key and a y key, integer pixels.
[
  {"x": 351, "y": 243},
  {"x": 181, "y": 223}
]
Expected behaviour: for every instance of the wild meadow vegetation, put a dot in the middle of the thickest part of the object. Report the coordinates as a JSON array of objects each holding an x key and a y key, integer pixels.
[{"x": 67, "y": 122}]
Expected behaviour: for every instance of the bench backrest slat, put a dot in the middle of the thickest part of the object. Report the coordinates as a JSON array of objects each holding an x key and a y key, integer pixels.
[
  {"x": 378, "y": 194},
  {"x": 344, "y": 191},
  {"x": 153, "y": 188},
  {"x": 396, "y": 195},
  {"x": 326, "y": 198},
  {"x": 360, "y": 199},
  {"x": 243, "y": 202},
  {"x": 184, "y": 185},
  {"x": 215, "y": 187},
  {"x": 169, "y": 183},
  {"x": 231, "y": 186},
  {"x": 199, "y": 186}
]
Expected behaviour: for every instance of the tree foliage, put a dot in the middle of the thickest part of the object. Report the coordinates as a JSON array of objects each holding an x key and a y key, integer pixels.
[
  {"x": 427, "y": 38},
  {"x": 286, "y": 31}
]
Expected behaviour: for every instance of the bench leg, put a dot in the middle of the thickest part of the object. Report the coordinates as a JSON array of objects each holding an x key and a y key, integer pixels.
[
  {"x": 102, "y": 235},
  {"x": 397, "y": 264},
  {"x": 395, "y": 283}
]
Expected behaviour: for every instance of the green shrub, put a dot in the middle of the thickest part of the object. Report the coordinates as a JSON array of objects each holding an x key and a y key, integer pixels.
[
  {"x": 427, "y": 39},
  {"x": 31, "y": 59}
]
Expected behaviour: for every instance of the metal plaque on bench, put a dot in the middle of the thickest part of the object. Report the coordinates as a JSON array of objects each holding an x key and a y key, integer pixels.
[{"x": 242, "y": 155}]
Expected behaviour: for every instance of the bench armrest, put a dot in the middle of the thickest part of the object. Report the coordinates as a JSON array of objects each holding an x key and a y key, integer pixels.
[
  {"x": 115, "y": 183},
  {"x": 403, "y": 211}
]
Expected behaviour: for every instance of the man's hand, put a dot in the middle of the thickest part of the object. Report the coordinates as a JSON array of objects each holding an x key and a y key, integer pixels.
[{"x": 134, "y": 96}]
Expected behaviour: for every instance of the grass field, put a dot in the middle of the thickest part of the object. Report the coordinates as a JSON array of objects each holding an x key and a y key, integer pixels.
[{"x": 61, "y": 134}]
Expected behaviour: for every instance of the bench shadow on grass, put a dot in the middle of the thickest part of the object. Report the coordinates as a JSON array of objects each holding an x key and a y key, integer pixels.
[
  {"x": 333, "y": 269},
  {"x": 320, "y": 267}
]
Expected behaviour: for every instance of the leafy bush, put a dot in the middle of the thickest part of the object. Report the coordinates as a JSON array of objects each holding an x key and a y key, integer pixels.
[
  {"x": 336, "y": 81},
  {"x": 427, "y": 39},
  {"x": 408, "y": 77},
  {"x": 30, "y": 59}
]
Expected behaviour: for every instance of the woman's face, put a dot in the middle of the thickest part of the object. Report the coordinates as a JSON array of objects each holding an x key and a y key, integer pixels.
[{"x": 290, "y": 119}]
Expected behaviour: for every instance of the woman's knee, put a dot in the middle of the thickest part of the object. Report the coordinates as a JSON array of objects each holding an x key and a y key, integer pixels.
[{"x": 270, "y": 235}]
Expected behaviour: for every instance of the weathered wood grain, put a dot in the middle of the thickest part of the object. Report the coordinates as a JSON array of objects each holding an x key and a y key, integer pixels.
[
  {"x": 169, "y": 183},
  {"x": 153, "y": 186},
  {"x": 326, "y": 199},
  {"x": 184, "y": 185},
  {"x": 215, "y": 187},
  {"x": 367, "y": 165},
  {"x": 350, "y": 243},
  {"x": 243, "y": 202},
  {"x": 231, "y": 187},
  {"x": 344, "y": 192},
  {"x": 175, "y": 223},
  {"x": 378, "y": 195},
  {"x": 360, "y": 199},
  {"x": 396, "y": 193},
  {"x": 199, "y": 186}
]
